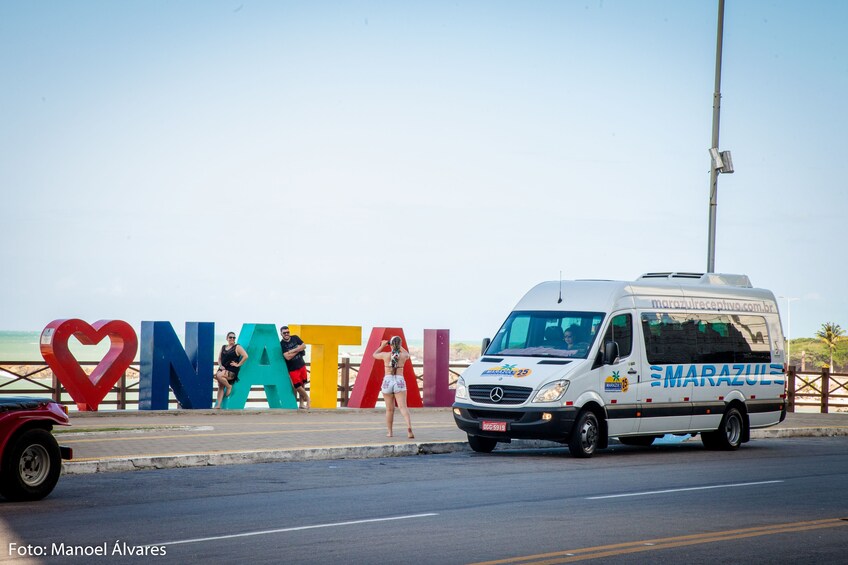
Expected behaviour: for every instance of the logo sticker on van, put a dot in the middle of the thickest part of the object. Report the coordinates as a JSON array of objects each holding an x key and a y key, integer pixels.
[
  {"x": 615, "y": 383},
  {"x": 507, "y": 371}
]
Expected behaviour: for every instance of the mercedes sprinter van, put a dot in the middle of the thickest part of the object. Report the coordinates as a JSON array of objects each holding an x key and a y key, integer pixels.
[{"x": 579, "y": 362}]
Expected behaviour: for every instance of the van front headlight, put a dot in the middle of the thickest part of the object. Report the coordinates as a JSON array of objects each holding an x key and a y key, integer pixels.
[
  {"x": 551, "y": 392},
  {"x": 461, "y": 390}
]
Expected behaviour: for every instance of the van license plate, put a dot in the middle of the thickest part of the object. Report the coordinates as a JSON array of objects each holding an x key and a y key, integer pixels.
[{"x": 493, "y": 426}]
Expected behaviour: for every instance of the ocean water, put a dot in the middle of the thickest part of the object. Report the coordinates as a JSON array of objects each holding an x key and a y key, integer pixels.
[
  {"x": 24, "y": 346},
  {"x": 20, "y": 346}
]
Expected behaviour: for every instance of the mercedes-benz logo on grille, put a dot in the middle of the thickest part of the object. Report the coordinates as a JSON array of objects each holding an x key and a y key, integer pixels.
[{"x": 496, "y": 394}]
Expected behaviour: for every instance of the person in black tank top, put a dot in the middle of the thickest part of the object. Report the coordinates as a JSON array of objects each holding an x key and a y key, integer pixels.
[{"x": 230, "y": 360}]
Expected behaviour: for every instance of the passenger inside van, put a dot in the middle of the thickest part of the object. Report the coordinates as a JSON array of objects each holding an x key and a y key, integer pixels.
[{"x": 553, "y": 337}]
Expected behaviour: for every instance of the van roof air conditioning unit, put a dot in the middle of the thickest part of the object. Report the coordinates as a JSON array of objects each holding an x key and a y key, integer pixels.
[{"x": 719, "y": 279}]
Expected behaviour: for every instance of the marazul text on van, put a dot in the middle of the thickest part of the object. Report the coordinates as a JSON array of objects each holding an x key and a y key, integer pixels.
[{"x": 712, "y": 375}]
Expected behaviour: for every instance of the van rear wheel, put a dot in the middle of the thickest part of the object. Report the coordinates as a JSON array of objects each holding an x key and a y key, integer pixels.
[
  {"x": 729, "y": 434},
  {"x": 481, "y": 444},
  {"x": 586, "y": 435}
]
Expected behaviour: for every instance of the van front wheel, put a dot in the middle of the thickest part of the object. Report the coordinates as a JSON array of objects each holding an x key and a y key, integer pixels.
[
  {"x": 586, "y": 435},
  {"x": 481, "y": 444}
]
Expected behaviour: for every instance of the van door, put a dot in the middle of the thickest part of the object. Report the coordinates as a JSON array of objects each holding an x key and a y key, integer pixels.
[
  {"x": 617, "y": 381},
  {"x": 665, "y": 392}
]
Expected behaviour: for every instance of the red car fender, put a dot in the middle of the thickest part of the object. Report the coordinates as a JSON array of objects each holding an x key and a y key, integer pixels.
[{"x": 13, "y": 420}]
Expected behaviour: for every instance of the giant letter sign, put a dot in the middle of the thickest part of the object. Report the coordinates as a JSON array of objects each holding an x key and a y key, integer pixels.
[
  {"x": 165, "y": 363},
  {"x": 265, "y": 366},
  {"x": 325, "y": 341},
  {"x": 371, "y": 372},
  {"x": 437, "y": 368},
  {"x": 88, "y": 391}
]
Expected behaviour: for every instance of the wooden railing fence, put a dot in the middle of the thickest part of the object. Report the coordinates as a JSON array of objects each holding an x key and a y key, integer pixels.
[
  {"x": 823, "y": 391},
  {"x": 34, "y": 378}
]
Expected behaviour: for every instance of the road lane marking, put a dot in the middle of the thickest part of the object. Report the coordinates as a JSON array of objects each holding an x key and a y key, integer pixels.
[
  {"x": 582, "y": 554},
  {"x": 649, "y": 492},
  {"x": 295, "y": 529}
]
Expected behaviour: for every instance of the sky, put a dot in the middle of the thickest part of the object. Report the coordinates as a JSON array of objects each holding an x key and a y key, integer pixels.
[{"x": 414, "y": 164}]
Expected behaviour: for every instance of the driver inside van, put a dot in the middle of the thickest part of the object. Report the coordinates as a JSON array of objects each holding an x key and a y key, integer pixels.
[{"x": 570, "y": 338}]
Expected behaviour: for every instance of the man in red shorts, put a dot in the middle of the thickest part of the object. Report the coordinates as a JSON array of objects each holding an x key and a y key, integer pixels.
[{"x": 293, "y": 352}]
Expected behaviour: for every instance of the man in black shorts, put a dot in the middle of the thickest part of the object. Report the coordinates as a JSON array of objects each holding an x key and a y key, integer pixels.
[{"x": 294, "y": 352}]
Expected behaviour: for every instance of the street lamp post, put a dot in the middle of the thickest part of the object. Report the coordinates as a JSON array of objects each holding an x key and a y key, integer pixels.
[{"x": 720, "y": 162}]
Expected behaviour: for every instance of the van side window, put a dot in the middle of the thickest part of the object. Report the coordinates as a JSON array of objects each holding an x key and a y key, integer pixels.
[
  {"x": 680, "y": 338},
  {"x": 621, "y": 331}
]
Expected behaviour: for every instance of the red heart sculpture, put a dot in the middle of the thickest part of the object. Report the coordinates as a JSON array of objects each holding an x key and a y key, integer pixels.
[{"x": 88, "y": 391}]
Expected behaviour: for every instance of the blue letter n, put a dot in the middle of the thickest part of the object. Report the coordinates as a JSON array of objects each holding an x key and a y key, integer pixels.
[{"x": 164, "y": 363}]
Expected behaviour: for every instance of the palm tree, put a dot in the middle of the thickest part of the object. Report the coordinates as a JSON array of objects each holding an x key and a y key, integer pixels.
[{"x": 830, "y": 334}]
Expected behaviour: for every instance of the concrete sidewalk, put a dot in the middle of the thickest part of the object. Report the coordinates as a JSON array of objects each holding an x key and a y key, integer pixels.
[{"x": 133, "y": 440}]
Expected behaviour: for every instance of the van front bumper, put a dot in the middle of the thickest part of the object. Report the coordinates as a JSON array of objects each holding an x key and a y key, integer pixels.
[{"x": 521, "y": 423}]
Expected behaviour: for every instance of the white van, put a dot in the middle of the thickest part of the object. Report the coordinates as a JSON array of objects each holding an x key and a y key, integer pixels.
[{"x": 579, "y": 362}]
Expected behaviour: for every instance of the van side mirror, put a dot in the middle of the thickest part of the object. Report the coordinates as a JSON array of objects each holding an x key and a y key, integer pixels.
[
  {"x": 610, "y": 352},
  {"x": 485, "y": 346}
]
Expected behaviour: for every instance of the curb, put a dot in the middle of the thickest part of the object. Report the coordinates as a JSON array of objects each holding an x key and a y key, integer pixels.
[
  {"x": 829, "y": 431},
  {"x": 119, "y": 465}
]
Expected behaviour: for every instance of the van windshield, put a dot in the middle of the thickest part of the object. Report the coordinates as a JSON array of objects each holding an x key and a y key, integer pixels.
[{"x": 547, "y": 334}]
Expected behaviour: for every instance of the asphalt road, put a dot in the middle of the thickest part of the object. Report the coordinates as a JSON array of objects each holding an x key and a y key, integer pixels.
[{"x": 773, "y": 501}]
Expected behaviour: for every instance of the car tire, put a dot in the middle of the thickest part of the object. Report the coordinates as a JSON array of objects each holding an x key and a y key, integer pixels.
[{"x": 32, "y": 463}]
